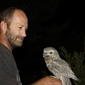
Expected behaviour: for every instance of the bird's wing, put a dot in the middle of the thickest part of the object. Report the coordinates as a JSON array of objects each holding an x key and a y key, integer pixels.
[{"x": 62, "y": 67}]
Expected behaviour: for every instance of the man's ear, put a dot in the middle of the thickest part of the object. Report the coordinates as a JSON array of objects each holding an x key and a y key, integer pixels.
[{"x": 3, "y": 26}]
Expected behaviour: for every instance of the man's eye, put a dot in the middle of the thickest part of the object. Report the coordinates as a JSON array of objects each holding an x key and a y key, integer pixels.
[{"x": 20, "y": 27}]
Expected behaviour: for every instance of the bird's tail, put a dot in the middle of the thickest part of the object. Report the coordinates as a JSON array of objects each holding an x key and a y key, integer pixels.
[
  {"x": 66, "y": 81},
  {"x": 75, "y": 78}
]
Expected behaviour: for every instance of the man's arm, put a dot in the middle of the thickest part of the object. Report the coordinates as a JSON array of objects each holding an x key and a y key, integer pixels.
[{"x": 48, "y": 81}]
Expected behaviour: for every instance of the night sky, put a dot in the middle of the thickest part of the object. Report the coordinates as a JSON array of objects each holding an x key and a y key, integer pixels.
[{"x": 51, "y": 23}]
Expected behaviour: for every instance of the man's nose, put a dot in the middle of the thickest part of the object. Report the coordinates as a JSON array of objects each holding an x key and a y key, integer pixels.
[{"x": 23, "y": 33}]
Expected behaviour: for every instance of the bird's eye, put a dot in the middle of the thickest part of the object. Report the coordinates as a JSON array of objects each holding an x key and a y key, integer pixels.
[{"x": 51, "y": 52}]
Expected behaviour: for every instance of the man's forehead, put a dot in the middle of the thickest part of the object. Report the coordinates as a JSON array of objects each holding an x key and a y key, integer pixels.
[{"x": 20, "y": 13}]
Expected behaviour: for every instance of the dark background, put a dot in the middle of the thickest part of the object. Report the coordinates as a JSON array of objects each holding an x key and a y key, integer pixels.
[{"x": 51, "y": 23}]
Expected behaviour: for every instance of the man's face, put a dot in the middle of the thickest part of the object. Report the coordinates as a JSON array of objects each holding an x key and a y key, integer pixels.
[{"x": 16, "y": 31}]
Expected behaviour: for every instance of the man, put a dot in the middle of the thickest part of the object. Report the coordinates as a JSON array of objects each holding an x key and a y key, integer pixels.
[{"x": 13, "y": 26}]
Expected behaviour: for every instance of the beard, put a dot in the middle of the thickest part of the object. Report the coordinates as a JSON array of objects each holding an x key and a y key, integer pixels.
[{"x": 14, "y": 40}]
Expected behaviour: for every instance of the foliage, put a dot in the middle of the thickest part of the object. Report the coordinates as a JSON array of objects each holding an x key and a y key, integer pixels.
[{"x": 77, "y": 62}]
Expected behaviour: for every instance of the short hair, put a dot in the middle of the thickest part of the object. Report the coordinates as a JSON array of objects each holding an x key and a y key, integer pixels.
[{"x": 6, "y": 15}]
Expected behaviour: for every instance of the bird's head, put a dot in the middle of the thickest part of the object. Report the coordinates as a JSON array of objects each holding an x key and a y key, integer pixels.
[{"x": 49, "y": 53}]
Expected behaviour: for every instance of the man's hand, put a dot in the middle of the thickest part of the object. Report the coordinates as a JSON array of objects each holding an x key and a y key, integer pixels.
[{"x": 48, "y": 81}]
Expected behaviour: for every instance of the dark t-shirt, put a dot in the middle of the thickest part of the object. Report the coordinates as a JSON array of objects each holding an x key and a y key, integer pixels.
[{"x": 8, "y": 70}]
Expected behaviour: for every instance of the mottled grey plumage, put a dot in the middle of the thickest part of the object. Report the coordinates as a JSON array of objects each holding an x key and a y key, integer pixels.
[{"x": 59, "y": 67}]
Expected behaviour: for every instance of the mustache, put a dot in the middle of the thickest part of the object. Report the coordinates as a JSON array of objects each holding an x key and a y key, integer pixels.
[
  {"x": 22, "y": 38},
  {"x": 18, "y": 37}
]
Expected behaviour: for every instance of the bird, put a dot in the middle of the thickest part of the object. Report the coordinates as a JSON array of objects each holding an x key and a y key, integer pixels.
[{"x": 58, "y": 66}]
